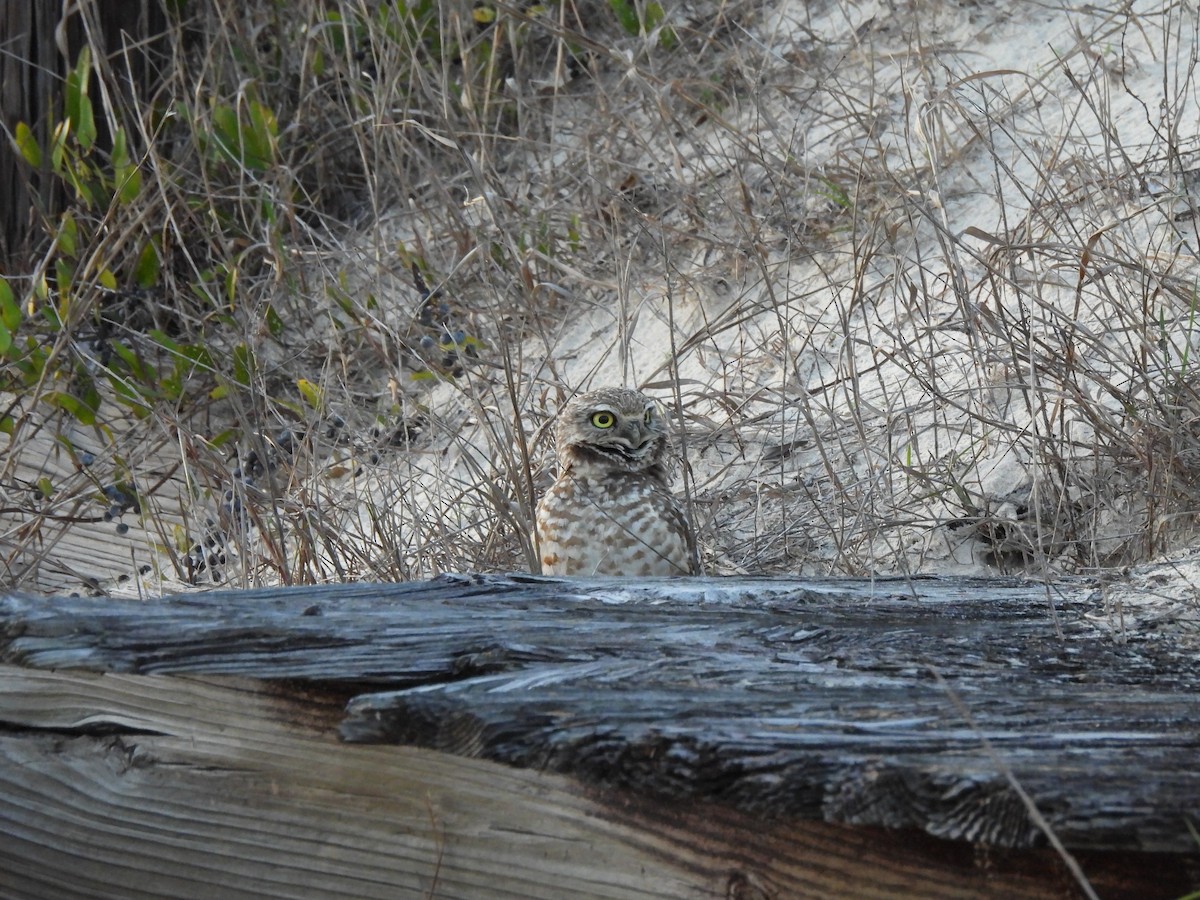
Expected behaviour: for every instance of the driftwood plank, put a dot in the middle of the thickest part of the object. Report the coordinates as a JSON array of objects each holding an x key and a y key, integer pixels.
[
  {"x": 139, "y": 786},
  {"x": 157, "y": 787},
  {"x": 775, "y": 705}
]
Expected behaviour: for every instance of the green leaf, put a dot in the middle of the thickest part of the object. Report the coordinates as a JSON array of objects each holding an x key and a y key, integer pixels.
[
  {"x": 129, "y": 397},
  {"x": 127, "y": 178},
  {"x": 222, "y": 438},
  {"x": 627, "y": 15},
  {"x": 53, "y": 319},
  {"x": 197, "y": 357},
  {"x": 46, "y": 487},
  {"x": 129, "y": 186},
  {"x": 294, "y": 408},
  {"x": 88, "y": 395},
  {"x": 257, "y": 138},
  {"x": 231, "y": 283},
  {"x": 86, "y": 133},
  {"x": 160, "y": 337},
  {"x": 26, "y": 366},
  {"x": 274, "y": 322},
  {"x": 58, "y": 146},
  {"x": 79, "y": 104},
  {"x": 148, "y": 267},
  {"x": 71, "y": 405},
  {"x": 310, "y": 392},
  {"x": 28, "y": 146},
  {"x": 131, "y": 360},
  {"x": 171, "y": 386},
  {"x": 224, "y": 135},
  {"x": 243, "y": 364},
  {"x": 834, "y": 192},
  {"x": 250, "y": 141},
  {"x": 120, "y": 149},
  {"x": 64, "y": 276},
  {"x": 10, "y": 310},
  {"x": 68, "y": 236}
]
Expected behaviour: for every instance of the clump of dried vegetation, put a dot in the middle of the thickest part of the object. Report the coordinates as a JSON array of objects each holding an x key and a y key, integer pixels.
[{"x": 310, "y": 302}]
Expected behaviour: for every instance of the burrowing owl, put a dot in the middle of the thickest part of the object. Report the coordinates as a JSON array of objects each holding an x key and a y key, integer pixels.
[{"x": 611, "y": 511}]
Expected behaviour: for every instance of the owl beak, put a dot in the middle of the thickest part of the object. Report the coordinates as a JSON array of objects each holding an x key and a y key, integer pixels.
[
  {"x": 632, "y": 436},
  {"x": 629, "y": 434}
]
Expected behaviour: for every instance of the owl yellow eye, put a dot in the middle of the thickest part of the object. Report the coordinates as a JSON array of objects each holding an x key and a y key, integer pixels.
[
  {"x": 649, "y": 415},
  {"x": 603, "y": 419}
]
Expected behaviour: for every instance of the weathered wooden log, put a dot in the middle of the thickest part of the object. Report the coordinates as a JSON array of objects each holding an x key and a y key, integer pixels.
[{"x": 737, "y": 737}]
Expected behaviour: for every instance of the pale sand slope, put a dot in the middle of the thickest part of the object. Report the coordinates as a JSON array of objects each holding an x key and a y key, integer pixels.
[{"x": 863, "y": 271}]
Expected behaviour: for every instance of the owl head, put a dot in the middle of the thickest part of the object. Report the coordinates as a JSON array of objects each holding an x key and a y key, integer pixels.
[{"x": 612, "y": 429}]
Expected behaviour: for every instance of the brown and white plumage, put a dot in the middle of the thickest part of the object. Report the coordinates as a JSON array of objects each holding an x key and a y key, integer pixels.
[{"x": 611, "y": 511}]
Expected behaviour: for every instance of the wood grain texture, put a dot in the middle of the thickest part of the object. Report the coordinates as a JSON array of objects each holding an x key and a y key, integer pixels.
[
  {"x": 147, "y": 786},
  {"x": 734, "y": 737},
  {"x": 224, "y": 786}
]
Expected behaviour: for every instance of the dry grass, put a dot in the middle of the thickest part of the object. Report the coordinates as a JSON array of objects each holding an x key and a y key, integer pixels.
[{"x": 913, "y": 313}]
